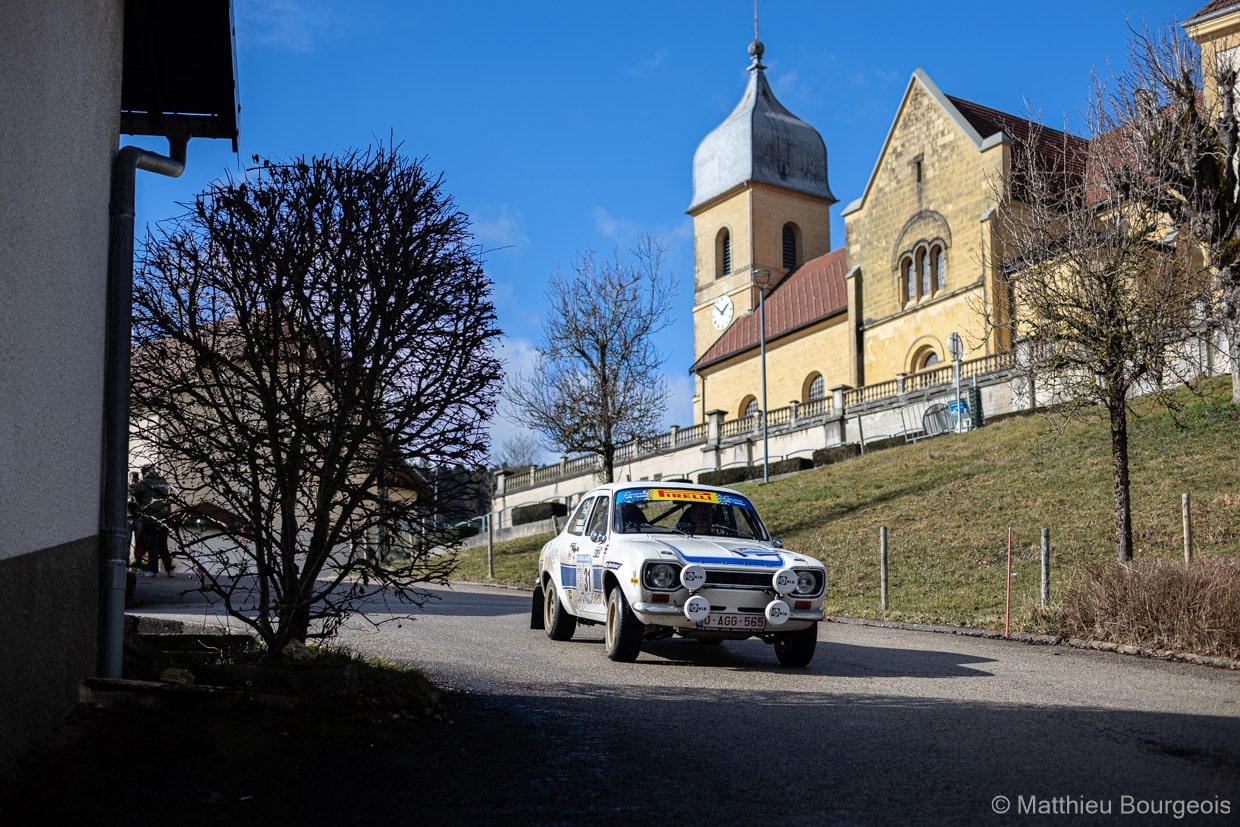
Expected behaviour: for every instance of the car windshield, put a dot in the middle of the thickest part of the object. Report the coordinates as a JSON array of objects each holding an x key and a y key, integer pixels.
[{"x": 686, "y": 511}]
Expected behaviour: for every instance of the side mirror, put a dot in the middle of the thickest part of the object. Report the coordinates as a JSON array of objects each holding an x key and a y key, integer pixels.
[
  {"x": 778, "y": 543},
  {"x": 597, "y": 537}
]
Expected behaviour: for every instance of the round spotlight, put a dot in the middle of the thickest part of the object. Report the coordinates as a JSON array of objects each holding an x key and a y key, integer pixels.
[
  {"x": 693, "y": 577},
  {"x": 784, "y": 581},
  {"x": 697, "y": 608},
  {"x": 778, "y": 612}
]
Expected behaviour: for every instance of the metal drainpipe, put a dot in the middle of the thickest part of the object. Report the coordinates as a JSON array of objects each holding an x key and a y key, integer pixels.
[{"x": 116, "y": 388}]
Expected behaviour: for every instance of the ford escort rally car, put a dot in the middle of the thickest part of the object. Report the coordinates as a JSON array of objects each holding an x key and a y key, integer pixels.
[{"x": 653, "y": 560}]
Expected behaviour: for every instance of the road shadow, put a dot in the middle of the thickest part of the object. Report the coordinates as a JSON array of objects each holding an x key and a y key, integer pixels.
[{"x": 834, "y": 660}]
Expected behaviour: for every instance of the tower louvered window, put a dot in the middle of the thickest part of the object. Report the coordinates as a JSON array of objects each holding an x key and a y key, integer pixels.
[{"x": 790, "y": 247}]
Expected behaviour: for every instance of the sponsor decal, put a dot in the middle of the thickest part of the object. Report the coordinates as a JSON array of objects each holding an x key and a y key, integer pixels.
[
  {"x": 612, "y": 565},
  {"x": 638, "y": 495}
]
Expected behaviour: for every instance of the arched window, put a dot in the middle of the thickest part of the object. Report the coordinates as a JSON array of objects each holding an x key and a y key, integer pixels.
[
  {"x": 815, "y": 387},
  {"x": 923, "y": 271},
  {"x": 790, "y": 246},
  {"x": 924, "y": 359},
  {"x": 749, "y": 406},
  {"x": 723, "y": 253}
]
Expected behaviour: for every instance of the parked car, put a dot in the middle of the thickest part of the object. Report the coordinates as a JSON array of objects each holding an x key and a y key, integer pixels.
[{"x": 651, "y": 560}]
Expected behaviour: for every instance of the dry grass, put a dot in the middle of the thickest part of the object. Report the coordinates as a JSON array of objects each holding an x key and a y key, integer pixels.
[{"x": 1160, "y": 604}]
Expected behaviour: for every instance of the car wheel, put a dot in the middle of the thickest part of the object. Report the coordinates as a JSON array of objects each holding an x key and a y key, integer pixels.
[
  {"x": 796, "y": 648},
  {"x": 624, "y": 630},
  {"x": 559, "y": 624},
  {"x": 537, "y": 607}
]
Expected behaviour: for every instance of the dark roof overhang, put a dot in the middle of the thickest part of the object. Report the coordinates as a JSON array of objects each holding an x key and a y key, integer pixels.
[{"x": 180, "y": 69}]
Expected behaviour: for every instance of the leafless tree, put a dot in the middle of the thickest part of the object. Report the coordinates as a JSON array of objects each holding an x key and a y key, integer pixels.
[
  {"x": 1102, "y": 290},
  {"x": 1185, "y": 126},
  {"x": 597, "y": 383},
  {"x": 521, "y": 450},
  {"x": 308, "y": 341}
]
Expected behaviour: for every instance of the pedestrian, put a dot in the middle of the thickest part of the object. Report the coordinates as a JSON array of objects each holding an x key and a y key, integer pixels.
[
  {"x": 151, "y": 494},
  {"x": 135, "y": 523}
]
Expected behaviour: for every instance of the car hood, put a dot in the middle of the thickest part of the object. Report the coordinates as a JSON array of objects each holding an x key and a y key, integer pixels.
[{"x": 724, "y": 552}]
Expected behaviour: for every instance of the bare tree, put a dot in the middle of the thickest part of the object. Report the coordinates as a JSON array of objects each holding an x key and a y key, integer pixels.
[
  {"x": 1102, "y": 290},
  {"x": 306, "y": 340},
  {"x": 521, "y": 450},
  {"x": 597, "y": 383},
  {"x": 1185, "y": 145}
]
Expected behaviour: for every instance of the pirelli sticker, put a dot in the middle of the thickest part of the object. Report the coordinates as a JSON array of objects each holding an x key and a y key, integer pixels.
[{"x": 678, "y": 495}]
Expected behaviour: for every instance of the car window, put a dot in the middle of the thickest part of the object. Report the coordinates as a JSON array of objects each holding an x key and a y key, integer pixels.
[
  {"x": 598, "y": 518},
  {"x": 577, "y": 525},
  {"x": 689, "y": 512}
]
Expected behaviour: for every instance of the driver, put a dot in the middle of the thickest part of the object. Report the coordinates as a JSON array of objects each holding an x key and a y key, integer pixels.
[{"x": 697, "y": 519}]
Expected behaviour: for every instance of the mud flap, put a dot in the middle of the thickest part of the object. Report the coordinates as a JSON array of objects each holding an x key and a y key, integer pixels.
[{"x": 536, "y": 609}]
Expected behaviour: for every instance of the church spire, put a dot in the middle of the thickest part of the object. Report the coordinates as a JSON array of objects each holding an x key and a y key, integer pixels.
[{"x": 760, "y": 141}]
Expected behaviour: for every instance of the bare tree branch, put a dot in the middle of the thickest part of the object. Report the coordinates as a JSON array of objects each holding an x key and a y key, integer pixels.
[
  {"x": 308, "y": 341},
  {"x": 598, "y": 382}
]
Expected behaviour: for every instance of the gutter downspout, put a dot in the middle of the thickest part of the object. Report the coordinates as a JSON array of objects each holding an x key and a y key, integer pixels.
[{"x": 119, "y": 335}]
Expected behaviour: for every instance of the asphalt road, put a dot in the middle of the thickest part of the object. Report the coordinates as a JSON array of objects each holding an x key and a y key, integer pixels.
[{"x": 884, "y": 726}]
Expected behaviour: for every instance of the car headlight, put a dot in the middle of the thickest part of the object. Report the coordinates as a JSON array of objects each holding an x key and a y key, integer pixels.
[
  {"x": 808, "y": 583},
  {"x": 662, "y": 576}
]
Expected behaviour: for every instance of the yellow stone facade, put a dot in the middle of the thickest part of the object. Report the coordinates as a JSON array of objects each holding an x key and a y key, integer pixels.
[
  {"x": 933, "y": 188},
  {"x": 1218, "y": 35}
]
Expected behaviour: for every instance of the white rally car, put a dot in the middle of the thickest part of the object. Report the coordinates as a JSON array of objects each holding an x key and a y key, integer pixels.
[{"x": 651, "y": 560}]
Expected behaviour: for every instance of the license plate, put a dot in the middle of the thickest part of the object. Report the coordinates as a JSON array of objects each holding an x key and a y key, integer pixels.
[{"x": 734, "y": 621}]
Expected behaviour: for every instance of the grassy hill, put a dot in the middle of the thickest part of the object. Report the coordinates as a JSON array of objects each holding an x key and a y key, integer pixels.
[{"x": 947, "y": 504}]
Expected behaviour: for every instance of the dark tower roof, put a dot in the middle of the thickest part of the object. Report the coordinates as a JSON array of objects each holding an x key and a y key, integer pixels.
[{"x": 760, "y": 141}]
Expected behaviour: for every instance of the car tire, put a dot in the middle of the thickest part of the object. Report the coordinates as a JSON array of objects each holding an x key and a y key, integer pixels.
[
  {"x": 537, "y": 621},
  {"x": 796, "y": 648},
  {"x": 624, "y": 630},
  {"x": 559, "y": 623}
]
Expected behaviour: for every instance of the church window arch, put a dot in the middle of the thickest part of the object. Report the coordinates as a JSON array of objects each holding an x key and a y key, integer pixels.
[
  {"x": 924, "y": 358},
  {"x": 723, "y": 253},
  {"x": 909, "y": 280},
  {"x": 815, "y": 388},
  {"x": 749, "y": 406},
  {"x": 922, "y": 271}
]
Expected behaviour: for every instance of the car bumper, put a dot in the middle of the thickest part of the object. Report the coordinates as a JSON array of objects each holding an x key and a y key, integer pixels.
[{"x": 665, "y": 614}]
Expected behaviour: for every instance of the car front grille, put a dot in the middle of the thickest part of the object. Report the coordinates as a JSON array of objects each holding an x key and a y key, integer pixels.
[{"x": 738, "y": 579}]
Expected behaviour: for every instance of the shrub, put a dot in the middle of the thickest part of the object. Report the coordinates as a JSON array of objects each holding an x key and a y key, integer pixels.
[
  {"x": 728, "y": 476},
  {"x": 836, "y": 453},
  {"x": 534, "y": 512},
  {"x": 1160, "y": 604},
  {"x": 788, "y": 466}
]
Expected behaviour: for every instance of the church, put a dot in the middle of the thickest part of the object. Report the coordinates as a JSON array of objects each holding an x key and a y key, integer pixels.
[
  {"x": 920, "y": 260},
  {"x": 918, "y": 263}
]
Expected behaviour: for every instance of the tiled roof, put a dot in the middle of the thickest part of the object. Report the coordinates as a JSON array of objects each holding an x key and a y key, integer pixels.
[
  {"x": 811, "y": 293},
  {"x": 1054, "y": 149},
  {"x": 1212, "y": 8}
]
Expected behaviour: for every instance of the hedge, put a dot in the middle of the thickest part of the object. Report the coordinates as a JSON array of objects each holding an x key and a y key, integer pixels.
[
  {"x": 837, "y": 453},
  {"x": 534, "y": 512}
]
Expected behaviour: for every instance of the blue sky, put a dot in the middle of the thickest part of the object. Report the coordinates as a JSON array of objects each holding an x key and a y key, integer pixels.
[{"x": 565, "y": 125}]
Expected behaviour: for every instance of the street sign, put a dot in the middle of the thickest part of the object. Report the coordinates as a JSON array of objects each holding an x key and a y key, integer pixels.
[{"x": 955, "y": 346}]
